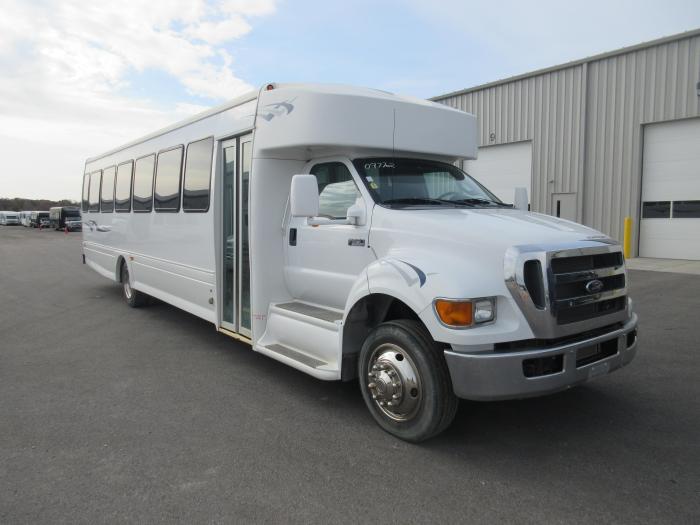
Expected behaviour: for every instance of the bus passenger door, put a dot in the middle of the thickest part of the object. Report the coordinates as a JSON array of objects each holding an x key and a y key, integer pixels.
[
  {"x": 228, "y": 215},
  {"x": 236, "y": 161}
]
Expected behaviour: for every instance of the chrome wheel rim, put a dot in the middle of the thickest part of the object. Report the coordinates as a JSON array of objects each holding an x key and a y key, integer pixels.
[
  {"x": 127, "y": 286},
  {"x": 394, "y": 383}
]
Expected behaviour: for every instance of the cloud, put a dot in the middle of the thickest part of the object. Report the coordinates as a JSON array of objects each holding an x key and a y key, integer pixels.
[{"x": 68, "y": 67}]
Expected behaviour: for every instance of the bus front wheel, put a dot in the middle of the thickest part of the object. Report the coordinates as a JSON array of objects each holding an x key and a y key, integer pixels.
[{"x": 405, "y": 381}]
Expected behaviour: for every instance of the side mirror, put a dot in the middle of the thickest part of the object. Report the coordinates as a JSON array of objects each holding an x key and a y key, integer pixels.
[
  {"x": 303, "y": 196},
  {"x": 520, "y": 199},
  {"x": 356, "y": 214}
]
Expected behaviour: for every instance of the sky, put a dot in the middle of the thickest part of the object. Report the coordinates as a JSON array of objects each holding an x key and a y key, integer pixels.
[{"x": 79, "y": 77}]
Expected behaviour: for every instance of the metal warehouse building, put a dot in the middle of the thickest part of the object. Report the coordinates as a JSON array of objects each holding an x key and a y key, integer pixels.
[{"x": 599, "y": 139}]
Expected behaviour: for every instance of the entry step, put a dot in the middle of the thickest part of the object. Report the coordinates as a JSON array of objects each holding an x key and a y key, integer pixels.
[
  {"x": 310, "y": 310},
  {"x": 297, "y": 356}
]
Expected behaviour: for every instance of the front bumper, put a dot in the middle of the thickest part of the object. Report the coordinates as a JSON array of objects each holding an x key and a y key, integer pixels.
[{"x": 502, "y": 375}]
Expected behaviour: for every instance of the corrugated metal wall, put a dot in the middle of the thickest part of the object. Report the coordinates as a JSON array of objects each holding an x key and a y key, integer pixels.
[
  {"x": 625, "y": 92},
  {"x": 585, "y": 122},
  {"x": 547, "y": 110}
]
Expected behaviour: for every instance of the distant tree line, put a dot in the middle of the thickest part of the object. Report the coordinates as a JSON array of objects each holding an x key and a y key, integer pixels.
[{"x": 19, "y": 204}]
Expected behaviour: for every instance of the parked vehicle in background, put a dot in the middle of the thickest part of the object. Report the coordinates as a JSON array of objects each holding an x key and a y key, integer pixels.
[
  {"x": 24, "y": 217},
  {"x": 328, "y": 227},
  {"x": 74, "y": 224},
  {"x": 58, "y": 215},
  {"x": 9, "y": 218},
  {"x": 36, "y": 218},
  {"x": 45, "y": 223}
]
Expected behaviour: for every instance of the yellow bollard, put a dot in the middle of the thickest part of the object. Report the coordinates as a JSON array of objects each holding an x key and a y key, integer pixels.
[{"x": 627, "y": 238}]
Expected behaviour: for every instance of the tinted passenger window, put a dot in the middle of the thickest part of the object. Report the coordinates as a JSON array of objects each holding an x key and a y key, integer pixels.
[
  {"x": 95, "y": 182},
  {"x": 336, "y": 189},
  {"x": 167, "y": 195},
  {"x": 656, "y": 210},
  {"x": 86, "y": 190},
  {"x": 195, "y": 194},
  {"x": 108, "y": 190},
  {"x": 143, "y": 183},
  {"x": 122, "y": 195}
]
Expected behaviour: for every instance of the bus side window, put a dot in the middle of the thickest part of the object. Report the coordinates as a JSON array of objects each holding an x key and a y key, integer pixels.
[
  {"x": 86, "y": 191},
  {"x": 195, "y": 192},
  {"x": 95, "y": 183},
  {"x": 107, "y": 194},
  {"x": 168, "y": 171},
  {"x": 143, "y": 183},
  {"x": 122, "y": 191}
]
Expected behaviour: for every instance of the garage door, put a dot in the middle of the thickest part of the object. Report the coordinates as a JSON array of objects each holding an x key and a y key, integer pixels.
[
  {"x": 670, "y": 223},
  {"x": 503, "y": 168}
]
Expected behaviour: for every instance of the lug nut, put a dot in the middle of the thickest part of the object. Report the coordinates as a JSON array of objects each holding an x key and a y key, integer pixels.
[
  {"x": 395, "y": 396},
  {"x": 372, "y": 385}
]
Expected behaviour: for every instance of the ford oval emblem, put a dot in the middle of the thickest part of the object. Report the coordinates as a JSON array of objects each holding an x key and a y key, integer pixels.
[{"x": 594, "y": 286}]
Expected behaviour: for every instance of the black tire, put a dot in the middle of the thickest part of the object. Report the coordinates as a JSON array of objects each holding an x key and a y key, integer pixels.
[
  {"x": 133, "y": 298},
  {"x": 434, "y": 405}
]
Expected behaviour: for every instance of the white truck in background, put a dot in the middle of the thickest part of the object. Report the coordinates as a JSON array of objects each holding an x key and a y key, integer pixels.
[{"x": 328, "y": 227}]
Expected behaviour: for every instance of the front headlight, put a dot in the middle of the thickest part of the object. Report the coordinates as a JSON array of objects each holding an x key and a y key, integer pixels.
[{"x": 465, "y": 313}]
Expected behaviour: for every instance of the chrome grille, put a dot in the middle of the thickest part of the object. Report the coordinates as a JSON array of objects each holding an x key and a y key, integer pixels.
[
  {"x": 570, "y": 276},
  {"x": 564, "y": 290}
]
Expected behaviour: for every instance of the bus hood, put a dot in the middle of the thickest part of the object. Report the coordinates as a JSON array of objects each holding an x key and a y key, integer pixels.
[{"x": 423, "y": 254}]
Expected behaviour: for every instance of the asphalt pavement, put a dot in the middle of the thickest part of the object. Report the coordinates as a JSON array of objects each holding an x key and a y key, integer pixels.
[{"x": 112, "y": 414}]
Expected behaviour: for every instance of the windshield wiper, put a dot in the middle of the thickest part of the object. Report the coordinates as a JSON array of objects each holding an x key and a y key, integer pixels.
[
  {"x": 422, "y": 200},
  {"x": 445, "y": 202},
  {"x": 476, "y": 200}
]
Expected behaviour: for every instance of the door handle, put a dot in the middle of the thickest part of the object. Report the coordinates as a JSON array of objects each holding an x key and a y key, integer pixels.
[{"x": 292, "y": 236}]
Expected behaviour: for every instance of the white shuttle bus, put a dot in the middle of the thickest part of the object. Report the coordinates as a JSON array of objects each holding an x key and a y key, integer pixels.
[{"x": 329, "y": 228}]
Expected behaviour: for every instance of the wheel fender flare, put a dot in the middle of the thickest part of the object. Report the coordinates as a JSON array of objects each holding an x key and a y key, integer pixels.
[
  {"x": 402, "y": 278},
  {"x": 393, "y": 278}
]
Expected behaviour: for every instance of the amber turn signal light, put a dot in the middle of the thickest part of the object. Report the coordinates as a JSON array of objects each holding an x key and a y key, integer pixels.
[{"x": 455, "y": 313}]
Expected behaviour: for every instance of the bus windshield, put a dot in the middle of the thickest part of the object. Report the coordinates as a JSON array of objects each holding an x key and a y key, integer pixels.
[{"x": 398, "y": 183}]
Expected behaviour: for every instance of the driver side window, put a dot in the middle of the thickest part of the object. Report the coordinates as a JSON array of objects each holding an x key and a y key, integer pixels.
[{"x": 336, "y": 189}]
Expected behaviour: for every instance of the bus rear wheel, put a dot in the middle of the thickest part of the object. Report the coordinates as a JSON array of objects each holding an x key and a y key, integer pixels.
[
  {"x": 405, "y": 381},
  {"x": 133, "y": 298}
]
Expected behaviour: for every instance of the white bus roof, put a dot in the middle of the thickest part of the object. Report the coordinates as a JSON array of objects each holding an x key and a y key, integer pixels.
[{"x": 354, "y": 97}]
